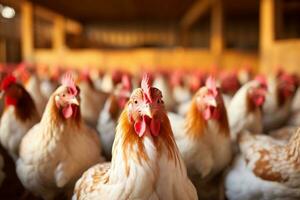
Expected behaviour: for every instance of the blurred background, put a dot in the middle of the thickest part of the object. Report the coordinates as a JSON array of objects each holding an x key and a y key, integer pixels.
[{"x": 140, "y": 34}]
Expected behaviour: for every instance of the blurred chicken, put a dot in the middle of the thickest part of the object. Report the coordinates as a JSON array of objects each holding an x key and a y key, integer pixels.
[
  {"x": 161, "y": 82},
  {"x": 195, "y": 81},
  {"x": 56, "y": 151},
  {"x": 245, "y": 108},
  {"x": 144, "y": 154},
  {"x": 32, "y": 84},
  {"x": 108, "y": 117},
  {"x": 266, "y": 170},
  {"x": 203, "y": 138},
  {"x": 277, "y": 107},
  {"x": 50, "y": 82},
  {"x": 181, "y": 92},
  {"x": 92, "y": 100},
  {"x": 20, "y": 114},
  {"x": 229, "y": 84}
]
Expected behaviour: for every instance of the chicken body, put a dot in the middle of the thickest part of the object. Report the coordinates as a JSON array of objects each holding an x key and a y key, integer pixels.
[
  {"x": 56, "y": 151},
  {"x": 267, "y": 169},
  {"x": 140, "y": 164}
]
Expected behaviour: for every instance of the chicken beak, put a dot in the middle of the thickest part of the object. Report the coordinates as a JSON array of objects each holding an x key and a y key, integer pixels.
[
  {"x": 1, "y": 94},
  {"x": 74, "y": 101},
  {"x": 148, "y": 111},
  {"x": 211, "y": 101}
]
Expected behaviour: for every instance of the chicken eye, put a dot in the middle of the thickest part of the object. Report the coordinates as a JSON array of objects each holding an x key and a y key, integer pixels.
[
  {"x": 64, "y": 95},
  {"x": 135, "y": 101}
]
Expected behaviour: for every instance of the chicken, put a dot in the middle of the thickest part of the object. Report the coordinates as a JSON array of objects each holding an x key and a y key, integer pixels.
[
  {"x": 144, "y": 152},
  {"x": 266, "y": 169},
  {"x": 19, "y": 115},
  {"x": 277, "y": 107},
  {"x": 229, "y": 84},
  {"x": 110, "y": 113},
  {"x": 161, "y": 82},
  {"x": 92, "y": 100},
  {"x": 57, "y": 150},
  {"x": 245, "y": 108},
  {"x": 196, "y": 80},
  {"x": 32, "y": 84},
  {"x": 181, "y": 92},
  {"x": 203, "y": 138}
]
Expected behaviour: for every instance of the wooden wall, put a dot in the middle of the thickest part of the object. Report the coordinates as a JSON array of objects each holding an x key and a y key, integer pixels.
[
  {"x": 276, "y": 53},
  {"x": 137, "y": 59}
]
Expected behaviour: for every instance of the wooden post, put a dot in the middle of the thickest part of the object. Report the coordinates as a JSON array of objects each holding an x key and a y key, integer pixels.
[
  {"x": 217, "y": 39},
  {"x": 267, "y": 32},
  {"x": 27, "y": 31},
  {"x": 59, "y": 33}
]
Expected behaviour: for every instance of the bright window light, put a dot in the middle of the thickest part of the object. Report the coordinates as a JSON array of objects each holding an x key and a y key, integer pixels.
[{"x": 8, "y": 12}]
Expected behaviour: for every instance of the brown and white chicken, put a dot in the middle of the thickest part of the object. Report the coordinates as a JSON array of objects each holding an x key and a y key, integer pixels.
[
  {"x": 203, "y": 138},
  {"x": 57, "y": 150},
  {"x": 267, "y": 169},
  {"x": 144, "y": 154},
  {"x": 19, "y": 115},
  {"x": 245, "y": 108},
  {"x": 277, "y": 107}
]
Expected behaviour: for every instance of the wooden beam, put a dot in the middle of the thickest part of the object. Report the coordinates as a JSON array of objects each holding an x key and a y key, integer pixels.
[
  {"x": 217, "y": 38},
  {"x": 27, "y": 31},
  {"x": 266, "y": 24},
  {"x": 58, "y": 37},
  {"x": 198, "y": 9}
]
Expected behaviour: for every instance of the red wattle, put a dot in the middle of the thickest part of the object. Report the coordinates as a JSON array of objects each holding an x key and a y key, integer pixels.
[
  {"x": 67, "y": 111},
  {"x": 140, "y": 127},
  {"x": 10, "y": 101},
  {"x": 155, "y": 127}
]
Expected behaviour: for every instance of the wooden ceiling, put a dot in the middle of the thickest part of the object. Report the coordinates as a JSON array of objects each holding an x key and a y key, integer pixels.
[{"x": 93, "y": 11}]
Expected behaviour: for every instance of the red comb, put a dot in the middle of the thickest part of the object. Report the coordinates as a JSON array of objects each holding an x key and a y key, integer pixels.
[
  {"x": 126, "y": 82},
  {"x": 262, "y": 80},
  {"x": 7, "y": 81},
  {"x": 68, "y": 81},
  {"x": 145, "y": 84},
  {"x": 211, "y": 84}
]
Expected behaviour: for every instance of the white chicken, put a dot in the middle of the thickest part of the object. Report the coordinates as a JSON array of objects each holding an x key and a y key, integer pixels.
[
  {"x": 277, "y": 107},
  {"x": 245, "y": 108},
  {"x": 144, "y": 154},
  {"x": 56, "y": 151}
]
